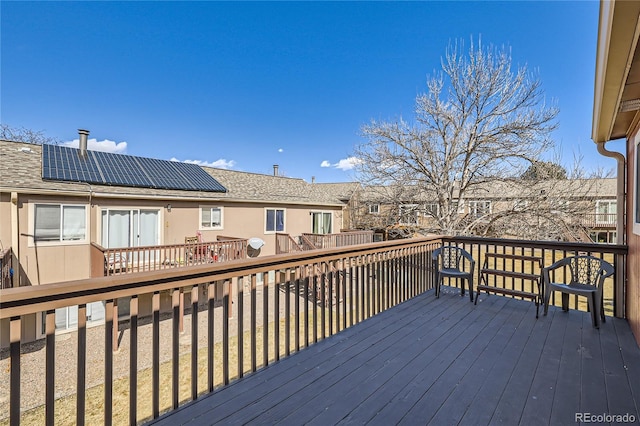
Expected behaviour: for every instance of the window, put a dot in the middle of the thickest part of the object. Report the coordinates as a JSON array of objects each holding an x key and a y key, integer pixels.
[
  {"x": 211, "y": 218},
  {"x": 321, "y": 222},
  {"x": 431, "y": 209},
  {"x": 408, "y": 214},
  {"x": 60, "y": 222},
  {"x": 520, "y": 205},
  {"x": 606, "y": 211},
  {"x": 130, "y": 227},
  {"x": 274, "y": 220},
  {"x": 479, "y": 208},
  {"x": 374, "y": 208}
]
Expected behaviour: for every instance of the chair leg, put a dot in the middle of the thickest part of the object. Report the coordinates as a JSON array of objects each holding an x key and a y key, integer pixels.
[
  {"x": 601, "y": 301},
  {"x": 565, "y": 302},
  {"x": 547, "y": 295},
  {"x": 438, "y": 279},
  {"x": 594, "y": 310},
  {"x": 462, "y": 282},
  {"x": 471, "y": 289}
]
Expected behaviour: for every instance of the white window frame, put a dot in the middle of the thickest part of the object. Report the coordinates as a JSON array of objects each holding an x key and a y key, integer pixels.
[
  {"x": 636, "y": 185},
  {"x": 32, "y": 225},
  {"x": 429, "y": 211},
  {"x": 473, "y": 208},
  {"x": 374, "y": 209},
  {"x": 608, "y": 217},
  {"x": 415, "y": 211},
  {"x": 322, "y": 212},
  {"x": 284, "y": 219},
  {"x": 135, "y": 239},
  {"x": 210, "y": 228}
]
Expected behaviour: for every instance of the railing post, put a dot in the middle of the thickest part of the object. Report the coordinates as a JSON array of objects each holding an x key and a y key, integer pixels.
[
  {"x": 15, "y": 326},
  {"x": 620, "y": 286}
]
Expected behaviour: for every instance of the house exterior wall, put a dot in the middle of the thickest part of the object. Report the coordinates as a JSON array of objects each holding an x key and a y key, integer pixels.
[{"x": 633, "y": 241}]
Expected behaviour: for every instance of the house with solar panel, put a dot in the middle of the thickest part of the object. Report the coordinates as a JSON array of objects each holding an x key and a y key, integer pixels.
[{"x": 69, "y": 214}]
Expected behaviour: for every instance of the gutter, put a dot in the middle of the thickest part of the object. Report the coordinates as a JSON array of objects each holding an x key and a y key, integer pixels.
[{"x": 620, "y": 192}]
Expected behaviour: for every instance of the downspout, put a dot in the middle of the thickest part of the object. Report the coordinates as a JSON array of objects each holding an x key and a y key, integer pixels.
[
  {"x": 15, "y": 240},
  {"x": 620, "y": 302},
  {"x": 620, "y": 193}
]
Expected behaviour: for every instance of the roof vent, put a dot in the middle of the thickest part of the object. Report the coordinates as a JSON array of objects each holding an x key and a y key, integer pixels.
[
  {"x": 275, "y": 170},
  {"x": 630, "y": 105},
  {"x": 82, "y": 143}
]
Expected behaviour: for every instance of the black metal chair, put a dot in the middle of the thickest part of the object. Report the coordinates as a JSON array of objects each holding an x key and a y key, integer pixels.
[
  {"x": 448, "y": 261},
  {"x": 587, "y": 279}
]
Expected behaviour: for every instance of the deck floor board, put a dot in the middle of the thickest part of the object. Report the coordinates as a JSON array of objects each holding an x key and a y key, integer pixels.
[{"x": 441, "y": 361}]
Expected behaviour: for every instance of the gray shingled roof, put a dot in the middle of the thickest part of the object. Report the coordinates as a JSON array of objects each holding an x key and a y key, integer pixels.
[{"x": 21, "y": 170}]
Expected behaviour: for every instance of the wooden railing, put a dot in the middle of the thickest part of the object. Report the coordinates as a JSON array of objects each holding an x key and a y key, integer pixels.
[
  {"x": 549, "y": 252},
  {"x": 6, "y": 268},
  {"x": 286, "y": 244},
  {"x": 597, "y": 220},
  {"x": 340, "y": 240},
  {"x": 282, "y": 304},
  {"x": 152, "y": 258}
]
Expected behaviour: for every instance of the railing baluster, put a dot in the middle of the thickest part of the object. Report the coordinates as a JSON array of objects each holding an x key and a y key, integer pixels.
[
  {"x": 155, "y": 369},
  {"x": 226, "y": 313},
  {"x": 254, "y": 312},
  {"x": 297, "y": 307},
  {"x": 240, "y": 327},
  {"x": 276, "y": 313},
  {"x": 195, "y": 290},
  {"x": 175, "y": 348},
  {"x": 211, "y": 292},
  {"x": 15, "y": 332},
  {"x": 50, "y": 372},
  {"x": 108, "y": 363},
  {"x": 265, "y": 318},
  {"x": 289, "y": 279},
  {"x": 82, "y": 365},
  {"x": 133, "y": 360}
]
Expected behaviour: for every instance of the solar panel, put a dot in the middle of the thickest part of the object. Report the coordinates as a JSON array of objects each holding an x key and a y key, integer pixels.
[{"x": 64, "y": 163}]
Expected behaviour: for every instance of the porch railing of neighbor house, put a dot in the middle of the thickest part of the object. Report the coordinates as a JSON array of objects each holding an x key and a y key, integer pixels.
[
  {"x": 597, "y": 220},
  {"x": 6, "y": 268},
  {"x": 285, "y": 243},
  {"x": 282, "y": 304},
  {"x": 152, "y": 258},
  {"x": 341, "y": 239},
  {"x": 549, "y": 252}
]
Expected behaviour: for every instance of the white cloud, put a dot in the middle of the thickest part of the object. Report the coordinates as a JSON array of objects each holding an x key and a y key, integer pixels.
[
  {"x": 347, "y": 163},
  {"x": 280, "y": 150},
  {"x": 325, "y": 163},
  {"x": 219, "y": 164},
  {"x": 104, "y": 146}
]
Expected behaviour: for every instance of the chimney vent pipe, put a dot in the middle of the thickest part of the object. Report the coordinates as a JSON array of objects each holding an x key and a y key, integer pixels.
[
  {"x": 82, "y": 144},
  {"x": 275, "y": 170}
]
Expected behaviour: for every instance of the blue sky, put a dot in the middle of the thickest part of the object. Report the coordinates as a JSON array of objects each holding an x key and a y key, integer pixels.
[{"x": 247, "y": 85}]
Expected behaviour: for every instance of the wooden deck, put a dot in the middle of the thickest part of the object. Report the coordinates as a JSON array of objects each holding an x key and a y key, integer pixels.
[{"x": 442, "y": 362}]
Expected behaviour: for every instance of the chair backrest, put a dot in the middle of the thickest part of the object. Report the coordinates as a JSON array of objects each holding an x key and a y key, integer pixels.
[
  {"x": 589, "y": 270},
  {"x": 449, "y": 257}
]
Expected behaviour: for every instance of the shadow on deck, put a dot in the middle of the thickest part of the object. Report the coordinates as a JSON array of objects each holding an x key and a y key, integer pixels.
[{"x": 442, "y": 361}]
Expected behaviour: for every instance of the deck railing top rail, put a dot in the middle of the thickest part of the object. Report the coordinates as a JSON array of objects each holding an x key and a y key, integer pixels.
[{"x": 27, "y": 300}]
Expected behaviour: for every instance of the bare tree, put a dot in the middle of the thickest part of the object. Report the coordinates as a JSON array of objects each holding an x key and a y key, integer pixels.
[
  {"x": 479, "y": 121},
  {"x": 22, "y": 134}
]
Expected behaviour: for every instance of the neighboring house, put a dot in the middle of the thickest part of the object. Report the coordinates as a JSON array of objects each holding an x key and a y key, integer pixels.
[
  {"x": 616, "y": 115},
  {"x": 51, "y": 223},
  {"x": 587, "y": 207}
]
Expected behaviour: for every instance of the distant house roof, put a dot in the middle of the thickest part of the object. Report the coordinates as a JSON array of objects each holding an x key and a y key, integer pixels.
[
  {"x": 507, "y": 189},
  {"x": 22, "y": 165}
]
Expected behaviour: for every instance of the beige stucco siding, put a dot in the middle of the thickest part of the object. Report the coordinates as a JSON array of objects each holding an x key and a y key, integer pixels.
[{"x": 633, "y": 241}]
